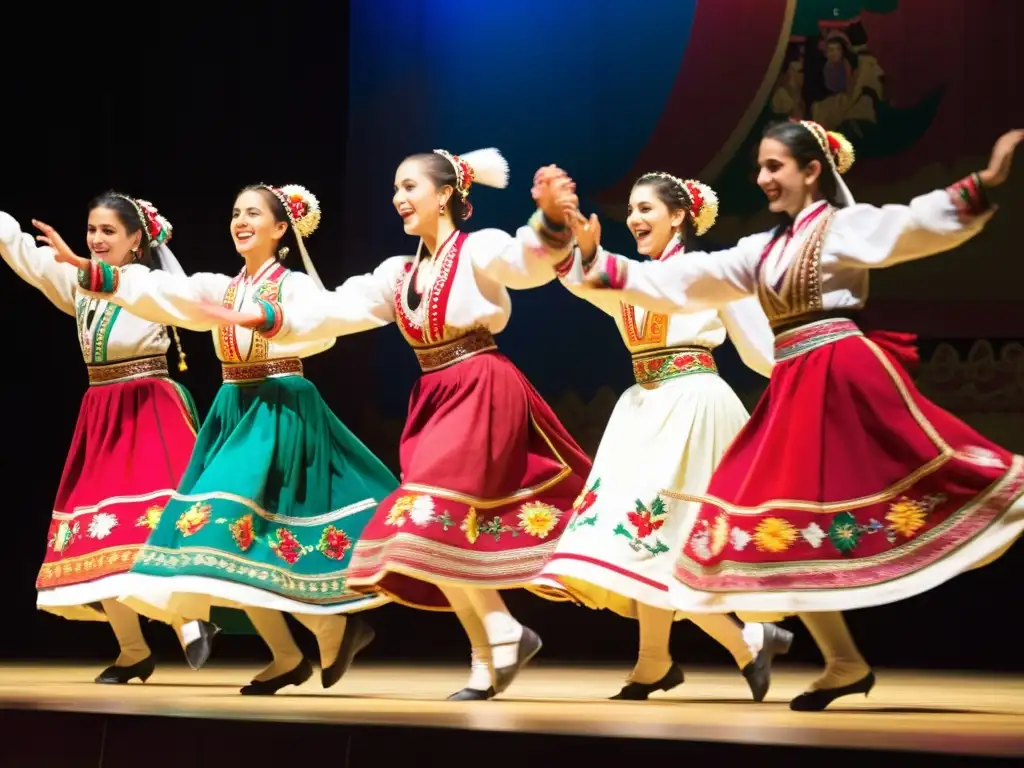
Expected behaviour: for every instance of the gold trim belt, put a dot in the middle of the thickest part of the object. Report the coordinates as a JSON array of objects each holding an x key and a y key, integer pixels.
[
  {"x": 450, "y": 352},
  {"x": 806, "y": 338},
  {"x": 657, "y": 365},
  {"x": 136, "y": 368},
  {"x": 247, "y": 373}
]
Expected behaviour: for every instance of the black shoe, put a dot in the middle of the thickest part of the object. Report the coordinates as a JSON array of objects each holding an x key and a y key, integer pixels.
[
  {"x": 358, "y": 635},
  {"x": 197, "y": 653},
  {"x": 529, "y": 645},
  {"x": 640, "y": 691},
  {"x": 759, "y": 672},
  {"x": 472, "y": 694},
  {"x": 297, "y": 676},
  {"x": 115, "y": 675},
  {"x": 816, "y": 701}
]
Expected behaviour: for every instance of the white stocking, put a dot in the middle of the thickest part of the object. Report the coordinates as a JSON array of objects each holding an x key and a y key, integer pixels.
[
  {"x": 503, "y": 631},
  {"x": 480, "y": 676}
]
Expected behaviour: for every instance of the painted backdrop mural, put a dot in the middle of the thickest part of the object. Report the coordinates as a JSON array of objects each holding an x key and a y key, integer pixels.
[{"x": 610, "y": 90}]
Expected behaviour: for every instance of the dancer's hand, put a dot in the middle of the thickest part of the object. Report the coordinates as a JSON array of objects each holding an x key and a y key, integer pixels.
[
  {"x": 586, "y": 231},
  {"x": 550, "y": 185},
  {"x": 1002, "y": 158},
  {"x": 227, "y": 317},
  {"x": 61, "y": 252}
]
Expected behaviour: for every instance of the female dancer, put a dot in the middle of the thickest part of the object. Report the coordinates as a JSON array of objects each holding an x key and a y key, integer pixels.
[
  {"x": 135, "y": 432},
  {"x": 277, "y": 489},
  {"x": 667, "y": 432},
  {"x": 487, "y": 469},
  {"x": 847, "y": 488}
]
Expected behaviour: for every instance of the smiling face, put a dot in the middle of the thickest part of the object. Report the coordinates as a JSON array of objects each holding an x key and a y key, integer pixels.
[
  {"x": 788, "y": 187},
  {"x": 254, "y": 228},
  {"x": 108, "y": 238},
  {"x": 417, "y": 199},
  {"x": 650, "y": 220}
]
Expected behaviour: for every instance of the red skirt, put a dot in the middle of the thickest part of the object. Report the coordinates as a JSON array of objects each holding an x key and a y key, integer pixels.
[
  {"x": 847, "y": 488},
  {"x": 489, "y": 476},
  {"x": 132, "y": 442}
]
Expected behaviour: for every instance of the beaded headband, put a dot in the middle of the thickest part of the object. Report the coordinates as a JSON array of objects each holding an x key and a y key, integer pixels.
[
  {"x": 703, "y": 208},
  {"x": 837, "y": 148},
  {"x": 157, "y": 228}
]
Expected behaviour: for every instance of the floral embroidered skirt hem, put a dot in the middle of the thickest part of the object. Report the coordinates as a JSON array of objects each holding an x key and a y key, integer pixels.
[
  {"x": 847, "y": 489},
  {"x": 132, "y": 442},
  {"x": 488, "y": 477},
  {"x": 266, "y": 515},
  {"x": 624, "y": 534}
]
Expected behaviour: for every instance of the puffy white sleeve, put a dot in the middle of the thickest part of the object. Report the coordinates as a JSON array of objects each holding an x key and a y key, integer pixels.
[
  {"x": 751, "y": 334},
  {"x": 526, "y": 260},
  {"x": 878, "y": 237},
  {"x": 570, "y": 275},
  {"x": 155, "y": 295},
  {"x": 359, "y": 304},
  {"x": 37, "y": 266},
  {"x": 695, "y": 282}
]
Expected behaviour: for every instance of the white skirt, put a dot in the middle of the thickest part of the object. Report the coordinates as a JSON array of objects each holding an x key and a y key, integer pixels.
[{"x": 624, "y": 536}]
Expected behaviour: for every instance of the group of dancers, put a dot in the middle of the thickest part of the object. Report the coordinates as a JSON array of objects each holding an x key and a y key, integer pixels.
[{"x": 844, "y": 489}]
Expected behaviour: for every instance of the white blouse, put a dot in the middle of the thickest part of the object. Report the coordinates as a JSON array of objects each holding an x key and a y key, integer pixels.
[
  {"x": 173, "y": 300},
  {"x": 467, "y": 291},
  {"x": 643, "y": 330},
  {"x": 820, "y": 264},
  {"x": 105, "y": 332}
]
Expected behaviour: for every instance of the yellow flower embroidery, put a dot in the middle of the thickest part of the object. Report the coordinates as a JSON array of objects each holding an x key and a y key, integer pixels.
[
  {"x": 773, "y": 534},
  {"x": 538, "y": 519},
  {"x": 193, "y": 518},
  {"x": 719, "y": 534},
  {"x": 906, "y": 517},
  {"x": 150, "y": 518},
  {"x": 471, "y": 526},
  {"x": 402, "y": 505}
]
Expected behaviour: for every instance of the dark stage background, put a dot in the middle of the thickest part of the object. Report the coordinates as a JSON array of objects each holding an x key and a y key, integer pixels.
[{"x": 184, "y": 106}]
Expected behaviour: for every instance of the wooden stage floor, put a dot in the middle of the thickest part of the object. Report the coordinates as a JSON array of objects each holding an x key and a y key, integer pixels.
[{"x": 908, "y": 711}]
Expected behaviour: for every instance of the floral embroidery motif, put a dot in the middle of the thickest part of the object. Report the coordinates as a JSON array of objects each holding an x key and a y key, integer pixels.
[
  {"x": 495, "y": 527},
  {"x": 645, "y": 523},
  {"x": 334, "y": 543},
  {"x": 470, "y": 526},
  {"x": 583, "y": 503},
  {"x": 193, "y": 519},
  {"x": 64, "y": 536},
  {"x": 773, "y": 534},
  {"x": 242, "y": 532},
  {"x": 101, "y": 525},
  {"x": 739, "y": 539},
  {"x": 150, "y": 518},
  {"x": 287, "y": 547},
  {"x": 538, "y": 519},
  {"x": 844, "y": 533},
  {"x": 813, "y": 535},
  {"x": 905, "y": 518}
]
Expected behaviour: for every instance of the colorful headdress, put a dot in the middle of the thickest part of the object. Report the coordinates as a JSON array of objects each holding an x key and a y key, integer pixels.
[
  {"x": 303, "y": 210},
  {"x": 157, "y": 231},
  {"x": 836, "y": 147},
  {"x": 155, "y": 226},
  {"x": 482, "y": 166},
  {"x": 703, "y": 206},
  {"x": 839, "y": 152}
]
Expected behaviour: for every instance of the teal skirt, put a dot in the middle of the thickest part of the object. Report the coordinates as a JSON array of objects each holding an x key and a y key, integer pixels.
[{"x": 275, "y": 496}]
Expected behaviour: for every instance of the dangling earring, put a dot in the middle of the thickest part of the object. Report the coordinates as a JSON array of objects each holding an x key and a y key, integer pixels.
[
  {"x": 282, "y": 252},
  {"x": 135, "y": 254},
  {"x": 441, "y": 209}
]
